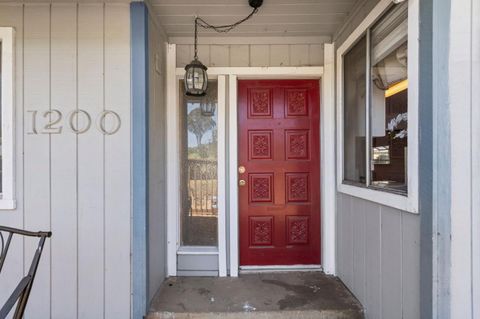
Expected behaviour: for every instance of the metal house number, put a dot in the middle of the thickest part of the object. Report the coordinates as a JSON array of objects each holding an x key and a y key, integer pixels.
[{"x": 79, "y": 122}]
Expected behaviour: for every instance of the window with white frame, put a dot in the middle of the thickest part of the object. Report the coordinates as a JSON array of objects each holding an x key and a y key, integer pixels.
[
  {"x": 7, "y": 118},
  {"x": 377, "y": 108}
]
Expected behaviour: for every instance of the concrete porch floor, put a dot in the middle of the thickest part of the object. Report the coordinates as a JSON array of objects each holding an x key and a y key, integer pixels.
[{"x": 263, "y": 295}]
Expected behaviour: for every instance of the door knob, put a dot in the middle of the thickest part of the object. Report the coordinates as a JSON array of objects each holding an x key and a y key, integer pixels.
[
  {"x": 242, "y": 182},
  {"x": 241, "y": 169}
]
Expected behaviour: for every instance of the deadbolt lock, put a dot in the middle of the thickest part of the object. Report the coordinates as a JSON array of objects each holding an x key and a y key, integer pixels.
[
  {"x": 241, "y": 169},
  {"x": 242, "y": 182}
]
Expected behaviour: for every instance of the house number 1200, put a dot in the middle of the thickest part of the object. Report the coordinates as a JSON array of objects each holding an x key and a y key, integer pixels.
[{"x": 79, "y": 121}]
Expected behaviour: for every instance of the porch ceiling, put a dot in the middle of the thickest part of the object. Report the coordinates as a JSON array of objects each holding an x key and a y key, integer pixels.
[{"x": 275, "y": 18}]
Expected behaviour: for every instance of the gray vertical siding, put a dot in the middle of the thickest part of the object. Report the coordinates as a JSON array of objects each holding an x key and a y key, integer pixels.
[
  {"x": 72, "y": 56},
  {"x": 156, "y": 161},
  {"x": 378, "y": 256},
  {"x": 215, "y": 55},
  {"x": 378, "y": 247}
]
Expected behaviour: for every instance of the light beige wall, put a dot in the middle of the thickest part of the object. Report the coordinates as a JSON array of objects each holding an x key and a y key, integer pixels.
[
  {"x": 72, "y": 56},
  {"x": 231, "y": 55}
]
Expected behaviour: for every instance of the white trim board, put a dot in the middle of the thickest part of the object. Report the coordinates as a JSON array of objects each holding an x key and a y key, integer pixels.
[
  {"x": 301, "y": 72},
  {"x": 173, "y": 161},
  {"x": 7, "y": 38},
  {"x": 327, "y": 160},
  {"x": 221, "y": 177},
  {"x": 406, "y": 203},
  {"x": 233, "y": 175}
]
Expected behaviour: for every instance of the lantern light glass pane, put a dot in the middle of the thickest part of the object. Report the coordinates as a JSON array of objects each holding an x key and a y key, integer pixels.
[{"x": 196, "y": 80}]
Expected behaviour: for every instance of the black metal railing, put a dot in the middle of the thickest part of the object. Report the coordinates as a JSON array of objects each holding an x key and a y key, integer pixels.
[
  {"x": 21, "y": 293},
  {"x": 202, "y": 187}
]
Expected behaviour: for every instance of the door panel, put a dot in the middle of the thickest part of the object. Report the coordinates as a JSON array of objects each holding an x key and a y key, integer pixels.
[{"x": 279, "y": 205}]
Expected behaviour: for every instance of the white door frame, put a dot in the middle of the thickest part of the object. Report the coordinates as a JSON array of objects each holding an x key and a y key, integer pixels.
[
  {"x": 236, "y": 74},
  {"x": 327, "y": 141}
]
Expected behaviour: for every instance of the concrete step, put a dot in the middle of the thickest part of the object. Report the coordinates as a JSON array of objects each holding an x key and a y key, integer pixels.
[
  {"x": 302, "y": 295},
  {"x": 301, "y": 314}
]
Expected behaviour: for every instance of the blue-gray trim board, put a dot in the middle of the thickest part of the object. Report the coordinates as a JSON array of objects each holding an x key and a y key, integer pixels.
[
  {"x": 434, "y": 159},
  {"x": 425, "y": 158},
  {"x": 441, "y": 163},
  {"x": 139, "y": 64}
]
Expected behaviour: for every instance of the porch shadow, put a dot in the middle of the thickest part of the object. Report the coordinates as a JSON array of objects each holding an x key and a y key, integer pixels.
[{"x": 263, "y": 295}]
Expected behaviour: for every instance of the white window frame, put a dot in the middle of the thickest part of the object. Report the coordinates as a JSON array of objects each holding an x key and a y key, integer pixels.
[
  {"x": 7, "y": 197},
  {"x": 409, "y": 202}
]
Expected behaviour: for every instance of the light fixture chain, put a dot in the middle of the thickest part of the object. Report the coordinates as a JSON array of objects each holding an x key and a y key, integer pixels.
[
  {"x": 222, "y": 28},
  {"x": 196, "y": 39},
  {"x": 196, "y": 78}
]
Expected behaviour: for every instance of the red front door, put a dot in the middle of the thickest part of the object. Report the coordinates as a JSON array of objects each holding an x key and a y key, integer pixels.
[{"x": 280, "y": 150}]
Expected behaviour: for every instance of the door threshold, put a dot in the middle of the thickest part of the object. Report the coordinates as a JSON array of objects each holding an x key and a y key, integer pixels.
[{"x": 279, "y": 268}]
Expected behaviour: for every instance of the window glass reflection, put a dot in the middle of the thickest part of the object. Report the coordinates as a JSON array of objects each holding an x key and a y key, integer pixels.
[
  {"x": 354, "y": 113},
  {"x": 389, "y": 102},
  {"x": 198, "y": 117}
]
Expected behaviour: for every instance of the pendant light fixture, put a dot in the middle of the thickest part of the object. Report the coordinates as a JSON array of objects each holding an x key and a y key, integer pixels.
[{"x": 196, "y": 78}]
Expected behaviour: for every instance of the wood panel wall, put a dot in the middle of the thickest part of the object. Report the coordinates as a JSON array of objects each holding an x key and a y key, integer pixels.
[
  {"x": 69, "y": 57},
  {"x": 224, "y": 55}
]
